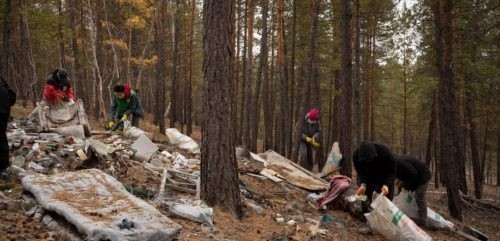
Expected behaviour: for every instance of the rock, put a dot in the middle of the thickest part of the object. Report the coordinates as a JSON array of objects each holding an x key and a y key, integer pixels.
[
  {"x": 280, "y": 220},
  {"x": 291, "y": 222}
]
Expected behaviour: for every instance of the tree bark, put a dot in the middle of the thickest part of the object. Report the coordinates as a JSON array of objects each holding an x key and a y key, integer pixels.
[
  {"x": 188, "y": 97},
  {"x": 268, "y": 97},
  {"x": 247, "y": 90},
  {"x": 357, "y": 78},
  {"x": 4, "y": 59},
  {"x": 160, "y": 66},
  {"x": 174, "y": 111},
  {"x": 431, "y": 132},
  {"x": 261, "y": 74},
  {"x": 451, "y": 139},
  {"x": 219, "y": 174},
  {"x": 244, "y": 74},
  {"x": 283, "y": 121},
  {"x": 345, "y": 141},
  {"x": 62, "y": 51}
]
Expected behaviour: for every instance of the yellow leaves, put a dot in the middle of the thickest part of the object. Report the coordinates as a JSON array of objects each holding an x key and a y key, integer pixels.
[
  {"x": 119, "y": 44},
  {"x": 135, "y": 22},
  {"x": 143, "y": 6},
  {"x": 144, "y": 62}
]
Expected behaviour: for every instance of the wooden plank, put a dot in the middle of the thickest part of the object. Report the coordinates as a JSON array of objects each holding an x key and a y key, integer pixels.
[
  {"x": 161, "y": 191},
  {"x": 180, "y": 188},
  {"x": 271, "y": 174}
]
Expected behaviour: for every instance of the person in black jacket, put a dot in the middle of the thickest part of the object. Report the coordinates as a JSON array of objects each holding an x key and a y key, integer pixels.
[
  {"x": 7, "y": 99},
  {"x": 376, "y": 169},
  {"x": 414, "y": 176}
]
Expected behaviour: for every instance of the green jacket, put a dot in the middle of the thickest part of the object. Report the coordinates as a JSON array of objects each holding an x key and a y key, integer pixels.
[{"x": 129, "y": 106}]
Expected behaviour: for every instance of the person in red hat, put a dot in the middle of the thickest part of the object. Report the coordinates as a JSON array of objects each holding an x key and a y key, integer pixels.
[{"x": 309, "y": 139}]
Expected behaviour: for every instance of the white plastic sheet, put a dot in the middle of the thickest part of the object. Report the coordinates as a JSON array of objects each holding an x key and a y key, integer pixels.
[
  {"x": 198, "y": 212},
  {"x": 392, "y": 223}
]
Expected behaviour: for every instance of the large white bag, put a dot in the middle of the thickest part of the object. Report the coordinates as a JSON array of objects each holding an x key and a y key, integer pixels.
[
  {"x": 406, "y": 202},
  {"x": 182, "y": 141},
  {"x": 392, "y": 223}
]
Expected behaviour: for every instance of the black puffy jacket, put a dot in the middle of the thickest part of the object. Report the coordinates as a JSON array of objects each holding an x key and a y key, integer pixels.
[
  {"x": 7, "y": 97},
  {"x": 411, "y": 172}
]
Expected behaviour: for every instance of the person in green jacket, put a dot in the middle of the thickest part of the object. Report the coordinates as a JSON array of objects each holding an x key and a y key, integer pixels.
[{"x": 125, "y": 106}]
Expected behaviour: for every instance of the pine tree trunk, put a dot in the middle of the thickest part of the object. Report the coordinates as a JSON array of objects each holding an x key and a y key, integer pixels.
[
  {"x": 219, "y": 174},
  {"x": 357, "y": 78},
  {"x": 498, "y": 157},
  {"x": 62, "y": 51},
  {"x": 76, "y": 68},
  {"x": 174, "y": 108},
  {"x": 294, "y": 100},
  {"x": 261, "y": 74},
  {"x": 7, "y": 25},
  {"x": 244, "y": 73},
  {"x": 268, "y": 97},
  {"x": 451, "y": 139},
  {"x": 247, "y": 90},
  {"x": 432, "y": 132},
  {"x": 160, "y": 66},
  {"x": 345, "y": 141},
  {"x": 188, "y": 97},
  {"x": 283, "y": 121}
]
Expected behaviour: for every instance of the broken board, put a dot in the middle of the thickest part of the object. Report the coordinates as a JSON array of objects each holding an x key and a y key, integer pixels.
[
  {"x": 99, "y": 206},
  {"x": 291, "y": 173}
]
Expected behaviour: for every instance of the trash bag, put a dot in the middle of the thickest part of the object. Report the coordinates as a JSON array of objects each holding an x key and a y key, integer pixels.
[
  {"x": 332, "y": 163},
  {"x": 392, "y": 223},
  {"x": 182, "y": 141},
  {"x": 406, "y": 202}
]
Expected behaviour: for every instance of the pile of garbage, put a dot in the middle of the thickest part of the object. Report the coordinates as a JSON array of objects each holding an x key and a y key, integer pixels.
[{"x": 74, "y": 181}]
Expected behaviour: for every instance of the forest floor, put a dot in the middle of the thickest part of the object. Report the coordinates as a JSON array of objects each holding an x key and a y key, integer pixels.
[{"x": 288, "y": 201}]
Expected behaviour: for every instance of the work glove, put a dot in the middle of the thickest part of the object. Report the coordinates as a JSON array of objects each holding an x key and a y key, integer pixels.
[
  {"x": 315, "y": 144},
  {"x": 309, "y": 139},
  {"x": 384, "y": 190},
  {"x": 111, "y": 124},
  {"x": 124, "y": 117},
  {"x": 361, "y": 190}
]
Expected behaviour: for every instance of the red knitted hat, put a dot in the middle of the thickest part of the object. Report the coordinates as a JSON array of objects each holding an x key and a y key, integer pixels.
[{"x": 313, "y": 114}]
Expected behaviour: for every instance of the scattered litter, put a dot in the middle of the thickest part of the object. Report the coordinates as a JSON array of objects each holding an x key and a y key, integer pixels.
[
  {"x": 100, "y": 147},
  {"x": 291, "y": 222},
  {"x": 144, "y": 146},
  {"x": 19, "y": 161},
  {"x": 312, "y": 197},
  {"x": 81, "y": 154},
  {"x": 280, "y": 220},
  {"x": 75, "y": 131},
  {"x": 133, "y": 133}
]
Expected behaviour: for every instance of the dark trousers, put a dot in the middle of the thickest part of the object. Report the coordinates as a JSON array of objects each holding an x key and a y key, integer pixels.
[
  {"x": 4, "y": 144},
  {"x": 420, "y": 199},
  {"x": 306, "y": 156}
]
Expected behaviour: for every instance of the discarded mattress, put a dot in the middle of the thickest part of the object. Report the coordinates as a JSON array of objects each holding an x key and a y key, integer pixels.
[
  {"x": 290, "y": 173},
  {"x": 99, "y": 206},
  {"x": 182, "y": 141}
]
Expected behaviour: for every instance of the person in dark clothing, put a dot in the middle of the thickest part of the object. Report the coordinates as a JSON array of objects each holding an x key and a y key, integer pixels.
[
  {"x": 7, "y": 99},
  {"x": 376, "y": 169},
  {"x": 125, "y": 106},
  {"x": 414, "y": 176},
  {"x": 309, "y": 138},
  {"x": 58, "y": 89}
]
